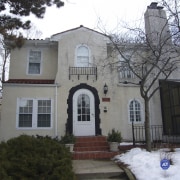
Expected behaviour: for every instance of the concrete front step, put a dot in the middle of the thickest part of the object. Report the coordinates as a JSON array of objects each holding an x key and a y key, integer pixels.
[
  {"x": 97, "y": 169},
  {"x": 105, "y": 175},
  {"x": 94, "y": 155}
]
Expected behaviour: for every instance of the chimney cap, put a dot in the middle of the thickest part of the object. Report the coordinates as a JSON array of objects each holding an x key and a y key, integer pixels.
[{"x": 153, "y": 5}]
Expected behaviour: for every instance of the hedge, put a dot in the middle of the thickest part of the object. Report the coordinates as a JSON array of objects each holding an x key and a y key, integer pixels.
[{"x": 35, "y": 158}]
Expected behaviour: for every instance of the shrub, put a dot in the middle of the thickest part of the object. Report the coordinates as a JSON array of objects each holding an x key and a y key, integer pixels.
[
  {"x": 68, "y": 139},
  {"x": 29, "y": 158},
  {"x": 114, "y": 136}
]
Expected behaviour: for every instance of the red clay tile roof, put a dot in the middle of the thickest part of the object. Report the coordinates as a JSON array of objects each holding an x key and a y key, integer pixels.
[{"x": 31, "y": 81}]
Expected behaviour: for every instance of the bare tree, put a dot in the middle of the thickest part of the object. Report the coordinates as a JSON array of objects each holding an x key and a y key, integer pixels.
[
  {"x": 172, "y": 8},
  {"x": 5, "y": 51},
  {"x": 12, "y": 23},
  {"x": 4, "y": 62},
  {"x": 147, "y": 56}
]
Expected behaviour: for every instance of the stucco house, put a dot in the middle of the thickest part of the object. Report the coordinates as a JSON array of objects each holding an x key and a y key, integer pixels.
[{"x": 60, "y": 85}]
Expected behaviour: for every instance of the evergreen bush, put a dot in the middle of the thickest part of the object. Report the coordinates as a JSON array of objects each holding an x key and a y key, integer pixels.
[
  {"x": 31, "y": 158},
  {"x": 114, "y": 136},
  {"x": 68, "y": 139}
]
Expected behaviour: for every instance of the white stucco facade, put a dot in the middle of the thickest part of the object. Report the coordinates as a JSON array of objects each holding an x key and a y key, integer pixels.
[{"x": 57, "y": 83}]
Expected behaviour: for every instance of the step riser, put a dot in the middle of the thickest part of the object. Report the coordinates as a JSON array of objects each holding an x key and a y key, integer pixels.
[
  {"x": 95, "y": 147},
  {"x": 91, "y": 139},
  {"x": 100, "y": 148},
  {"x": 94, "y": 155},
  {"x": 90, "y": 144}
]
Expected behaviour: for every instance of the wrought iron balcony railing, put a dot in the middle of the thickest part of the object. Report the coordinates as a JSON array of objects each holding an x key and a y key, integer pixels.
[{"x": 85, "y": 71}]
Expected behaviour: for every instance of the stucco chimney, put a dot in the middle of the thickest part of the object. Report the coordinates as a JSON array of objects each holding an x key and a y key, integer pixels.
[
  {"x": 156, "y": 24},
  {"x": 154, "y": 5}
]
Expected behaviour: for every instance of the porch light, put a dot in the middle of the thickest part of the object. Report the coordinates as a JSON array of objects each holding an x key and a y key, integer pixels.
[{"x": 105, "y": 89}]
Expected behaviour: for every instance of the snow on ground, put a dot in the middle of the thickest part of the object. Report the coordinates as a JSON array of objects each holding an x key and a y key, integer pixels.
[{"x": 147, "y": 165}]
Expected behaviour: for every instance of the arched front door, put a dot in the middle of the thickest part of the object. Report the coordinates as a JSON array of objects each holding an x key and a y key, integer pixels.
[{"x": 83, "y": 113}]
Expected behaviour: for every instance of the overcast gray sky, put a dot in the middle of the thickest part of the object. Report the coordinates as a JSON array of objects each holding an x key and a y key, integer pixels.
[{"x": 91, "y": 13}]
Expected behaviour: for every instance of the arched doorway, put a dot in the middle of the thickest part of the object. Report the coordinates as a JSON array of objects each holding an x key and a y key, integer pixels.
[{"x": 83, "y": 111}]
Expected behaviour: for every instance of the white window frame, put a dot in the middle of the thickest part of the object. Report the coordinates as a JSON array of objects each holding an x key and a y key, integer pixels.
[
  {"x": 28, "y": 62},
  {"x": 76, "y": 56},
  {"x": 34, "y": 113},
  {"x": 124, "y": 71},
  {"x": 141, "y": 112}
]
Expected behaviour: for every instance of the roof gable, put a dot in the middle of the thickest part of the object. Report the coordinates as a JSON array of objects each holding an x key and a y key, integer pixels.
[{"x": 81, "y": 27}]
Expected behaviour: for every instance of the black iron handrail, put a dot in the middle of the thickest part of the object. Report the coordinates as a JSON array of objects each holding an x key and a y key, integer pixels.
[{"x": 157, "y": 135}]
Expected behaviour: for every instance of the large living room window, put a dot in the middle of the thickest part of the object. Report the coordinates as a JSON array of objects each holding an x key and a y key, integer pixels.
[
  {"x": 34, "y": 113},
  {"x": 25, "y": 113},
  {"x": 44, "y": 113},
  {"x": 34, "y": 66}
]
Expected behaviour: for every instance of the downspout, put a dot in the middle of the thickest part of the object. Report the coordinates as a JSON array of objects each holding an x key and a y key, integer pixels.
[{"x": 56, "y": 119}]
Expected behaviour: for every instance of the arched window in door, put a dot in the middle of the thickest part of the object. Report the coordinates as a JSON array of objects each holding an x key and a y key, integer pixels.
[
  {"x": 82, "y": 56},
  {"x": 83, "y": 108}
]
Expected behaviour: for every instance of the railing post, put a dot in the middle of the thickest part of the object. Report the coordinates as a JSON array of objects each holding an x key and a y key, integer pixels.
[{"x": 133, "y": 133}]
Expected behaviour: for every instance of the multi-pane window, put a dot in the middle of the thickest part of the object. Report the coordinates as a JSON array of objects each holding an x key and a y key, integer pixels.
[
  {"x": 125, "y": 73},
  {"x": 124, "y": 70},
  {"x": 82, "y": 59},
  {"x": 25, "y": 113},
  {"x": 83, "y": 105},
  {"x": 135, "y": 111},
  {"x": 34, "y": 62},
  {"x": 34, "y": 113},
  {"x": 44, "y": 113}
]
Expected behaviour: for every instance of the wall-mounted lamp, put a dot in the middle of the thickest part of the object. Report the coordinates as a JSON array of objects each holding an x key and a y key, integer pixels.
[{"x": 105, "y": 89}]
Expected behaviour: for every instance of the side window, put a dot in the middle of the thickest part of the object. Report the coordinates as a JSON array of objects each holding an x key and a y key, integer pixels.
[
  {"x": 34, "y": 63},
  {"x": 124, "y": 71},
  {"x": 82, "y": 56},
  {"x": 135, "y": 111},
  {"x": 34, "y": 113}
]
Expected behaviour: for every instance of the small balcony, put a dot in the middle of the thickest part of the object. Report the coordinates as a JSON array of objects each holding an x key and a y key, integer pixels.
[{"x": 82, "y": 71}]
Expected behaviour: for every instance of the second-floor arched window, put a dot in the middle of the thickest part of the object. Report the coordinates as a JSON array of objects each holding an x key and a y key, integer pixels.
[{"x": 82, "y": 56}]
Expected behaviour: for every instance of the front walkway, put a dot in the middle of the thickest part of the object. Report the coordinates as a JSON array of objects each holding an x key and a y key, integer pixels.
[{"x": 98, "y": 169}]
